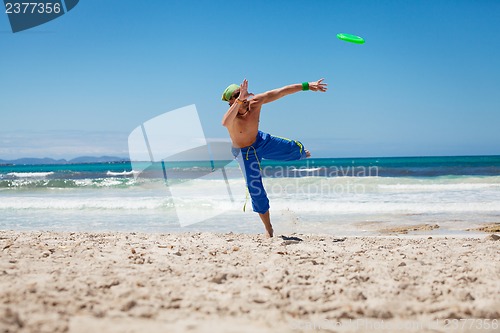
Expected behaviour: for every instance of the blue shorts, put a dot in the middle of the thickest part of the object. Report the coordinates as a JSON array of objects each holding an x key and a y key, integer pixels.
[{"x": 268, "y": 147}]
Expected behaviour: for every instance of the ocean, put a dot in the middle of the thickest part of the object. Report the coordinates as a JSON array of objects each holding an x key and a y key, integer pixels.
[{"x": 341, "y": 196}]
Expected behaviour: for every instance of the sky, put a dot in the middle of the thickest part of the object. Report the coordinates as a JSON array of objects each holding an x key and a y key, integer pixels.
[{"x": 426, "y": 82}]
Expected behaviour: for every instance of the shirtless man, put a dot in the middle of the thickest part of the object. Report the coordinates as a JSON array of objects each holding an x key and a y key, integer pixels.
[{"x": 250, "y": 145}]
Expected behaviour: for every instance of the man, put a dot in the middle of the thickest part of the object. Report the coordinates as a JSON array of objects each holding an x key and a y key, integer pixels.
[{"x": 250, "y": 145}]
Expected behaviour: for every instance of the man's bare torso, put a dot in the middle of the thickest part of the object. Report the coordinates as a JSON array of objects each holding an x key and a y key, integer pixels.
[{"x": 243, "y": 129}]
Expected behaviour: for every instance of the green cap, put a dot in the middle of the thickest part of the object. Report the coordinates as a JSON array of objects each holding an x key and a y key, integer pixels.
[{"x": 226, "y": 95}]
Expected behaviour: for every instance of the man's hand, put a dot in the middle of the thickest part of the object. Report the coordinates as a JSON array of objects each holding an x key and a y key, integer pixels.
[
  {"x": 317, "y": 86},
  {"x": 244, "y": 91}
]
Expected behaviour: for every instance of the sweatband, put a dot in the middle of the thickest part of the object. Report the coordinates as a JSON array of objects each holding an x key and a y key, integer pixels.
[{"x": 305, "y": 86}]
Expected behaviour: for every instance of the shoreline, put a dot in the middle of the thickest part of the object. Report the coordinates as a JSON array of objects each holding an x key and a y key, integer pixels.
[
  {"x": 158, "y": 282},
  {"x": 357, "y": 229}
]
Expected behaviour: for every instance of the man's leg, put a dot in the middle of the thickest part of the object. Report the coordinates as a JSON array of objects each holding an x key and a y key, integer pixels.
[
  {"x": 250, "y": 166},
  {"x": 266, "y": 219},
  {"x": 283, "y": 149}
]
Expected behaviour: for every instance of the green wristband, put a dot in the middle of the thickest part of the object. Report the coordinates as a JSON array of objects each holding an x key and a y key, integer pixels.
[{"x": 305, "y": 86}]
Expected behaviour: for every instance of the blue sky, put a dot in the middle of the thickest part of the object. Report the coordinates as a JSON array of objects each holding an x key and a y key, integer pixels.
[{"x": 426, "y": 82}]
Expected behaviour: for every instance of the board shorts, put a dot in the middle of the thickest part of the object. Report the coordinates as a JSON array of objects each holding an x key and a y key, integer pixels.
[{"x": 268, "y": 147}]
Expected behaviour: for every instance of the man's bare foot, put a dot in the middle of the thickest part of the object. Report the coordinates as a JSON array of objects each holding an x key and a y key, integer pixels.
[
  {"x": 269, "y": 233},
  {"x": 308, "y": 153}
]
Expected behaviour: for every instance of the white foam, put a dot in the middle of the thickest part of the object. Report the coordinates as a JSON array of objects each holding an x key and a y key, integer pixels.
[
  {"x": 30, "y": 174},
  {"x": 123, "y": 173},
  {"x": 333, "y": 208},
  {"x": 305, "y": 169},
  {"x": 437, "y": 187},
  {"x": 78, "y": 203}
]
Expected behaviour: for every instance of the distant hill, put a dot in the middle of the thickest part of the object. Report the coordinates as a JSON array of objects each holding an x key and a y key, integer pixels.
[
  {"x": 102, "y": 159},
  {"x": 77, "y": 160}
]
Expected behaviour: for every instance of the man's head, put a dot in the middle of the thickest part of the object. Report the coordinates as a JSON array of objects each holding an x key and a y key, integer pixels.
[{"x": 231, "y": 93}]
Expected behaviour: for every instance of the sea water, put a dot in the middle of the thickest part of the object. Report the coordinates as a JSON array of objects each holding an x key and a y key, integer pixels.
[{"x": 354, "y": 196}]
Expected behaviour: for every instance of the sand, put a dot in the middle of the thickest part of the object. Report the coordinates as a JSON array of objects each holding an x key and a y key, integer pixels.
[{"x": 207, "y": 282}]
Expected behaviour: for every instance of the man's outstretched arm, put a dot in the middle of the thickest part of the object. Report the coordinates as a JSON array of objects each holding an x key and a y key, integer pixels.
[{"x": 272, "y": 95}]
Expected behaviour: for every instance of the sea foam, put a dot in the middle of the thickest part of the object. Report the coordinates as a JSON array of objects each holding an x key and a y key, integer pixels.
[{"x": 30, "y": 174}]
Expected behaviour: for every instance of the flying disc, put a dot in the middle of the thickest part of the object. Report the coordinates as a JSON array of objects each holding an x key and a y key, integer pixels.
[{"x": 351, "y": 38}]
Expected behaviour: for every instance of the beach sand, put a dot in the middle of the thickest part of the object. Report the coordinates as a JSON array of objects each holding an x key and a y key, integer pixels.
[{"x": 207, "y": 282}]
